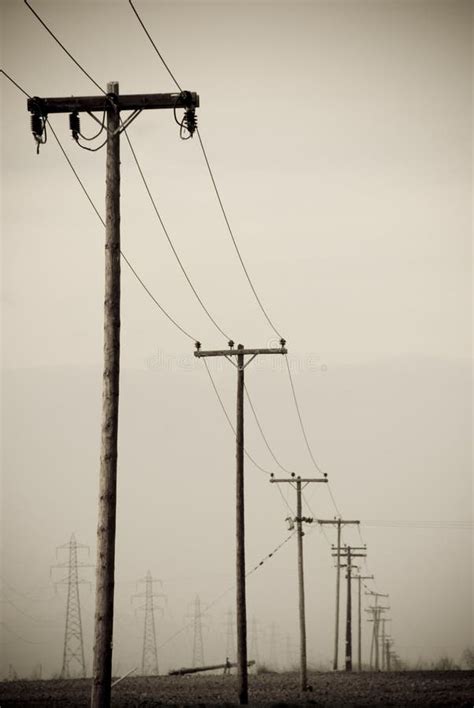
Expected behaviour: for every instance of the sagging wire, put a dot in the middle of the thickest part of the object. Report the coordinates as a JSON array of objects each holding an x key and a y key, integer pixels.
[
  {"x": 284, "y": 469},
  {"x": 231, "y": 425},
  {"x": 223, "y": 594}
]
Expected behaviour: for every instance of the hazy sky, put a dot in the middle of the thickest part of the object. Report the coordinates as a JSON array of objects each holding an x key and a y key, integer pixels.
[{"x": 340, "y": 137}]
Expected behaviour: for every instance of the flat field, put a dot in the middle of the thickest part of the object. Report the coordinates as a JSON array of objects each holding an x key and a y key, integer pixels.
[{"x": 417, "y": 688}]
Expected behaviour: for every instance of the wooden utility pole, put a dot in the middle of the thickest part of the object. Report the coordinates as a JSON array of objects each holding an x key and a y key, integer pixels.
[
  {"x": 111, "y": 103},
  {"x": 105, "y": 571},
  {"x": 296, "y": 482},
  {"x": 349, "y": 553},
  {"x": 240, "y": 353},
  {"x": 359, "y": 579},
  {"x": 339, "y": 523}
]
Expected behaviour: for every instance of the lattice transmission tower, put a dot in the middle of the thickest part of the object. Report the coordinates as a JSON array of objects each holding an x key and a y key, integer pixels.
[
  {"x": 149, "y": 653},
  {"x": 73, "y": 652}
]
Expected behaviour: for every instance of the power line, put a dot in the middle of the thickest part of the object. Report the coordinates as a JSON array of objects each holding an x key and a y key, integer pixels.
[
  {"x": 125, "y": 258},
  {"x": 452, "y": 525},
  {"x": 231, "y": 587},
  {"x": 63, "y": 47},
  {"x": 232, "y": 427},
  {"x": 15, "y": 83},
  {"x": 99, "y": 216},
  {"x": 262, "y": 433},
  {"x": 165, "y": 230},
  {"x": 229, "y": 228},
  {"x": 219, "y": 199},
  {"x": 154, "y": 45},
  {"x": 300, "y": 417}
]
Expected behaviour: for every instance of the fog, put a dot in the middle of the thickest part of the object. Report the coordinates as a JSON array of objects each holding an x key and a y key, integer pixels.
[{"x": 340, "y": 137}]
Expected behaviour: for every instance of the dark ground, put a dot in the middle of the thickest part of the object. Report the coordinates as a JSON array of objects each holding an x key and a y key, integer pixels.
[{"x": 414, "y": 688}]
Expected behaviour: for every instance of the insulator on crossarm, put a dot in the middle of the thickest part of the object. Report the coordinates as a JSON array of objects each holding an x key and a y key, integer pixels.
[
  {"x": 190, "y": 120},
  {"x": 36, "y": 125},
  {"x": 74, "y": 124}
]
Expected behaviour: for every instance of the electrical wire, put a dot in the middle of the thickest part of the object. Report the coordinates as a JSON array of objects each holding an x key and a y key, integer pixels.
[
  {"x": 441, "y": 525},
  {"x": 262, "y": 433},
  {"x": 96, "y": 149},
  {"x": 2, "y": 71},
  {"x": 219, "y": 199},
  {"x": 229, "y": 228},
  {"x": 165, "y": 230},
  {"x": 63, "y": 47},
  {"x": 27, "y": 641},
  {"x": 101, "y": 129},
  {"x": 124, "y": 257},
  {"x": 232, "y": 427},
  {"x": 231, "y": 587},
  {"x": 298, "y": 411},
  {"x": 154, "y": 46}
]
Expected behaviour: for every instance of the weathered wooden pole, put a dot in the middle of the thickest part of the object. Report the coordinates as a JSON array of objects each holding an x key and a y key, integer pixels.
[
  {"x": 240, "y": 534},
  {"x": 349, "y": 611},
  {"x": 105, "y": 571},
  {"x": 299, "y": 536}
]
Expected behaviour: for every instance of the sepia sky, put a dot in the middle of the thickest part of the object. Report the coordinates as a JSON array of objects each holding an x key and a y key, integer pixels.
[{"x": 340, "y": 136}]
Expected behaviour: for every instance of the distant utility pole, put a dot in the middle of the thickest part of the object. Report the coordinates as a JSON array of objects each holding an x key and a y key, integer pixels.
[
  {"x": 198, "y": 646},
  {"x": 112, "y": 104},
  {"x": 349, "y": 552},
  {"x": 297, "y": 482},
  {"x": 240, "y": 353},
  {"x": 230, "y": 640},
  {"x": 254, "y": 652},
  {"x": 359, "y": 579},
  {"x": 388, "y": 643},
  {"x": 149, "y": 652},
  {"x": 376, "y": 611},
  {"x": 73, "y": 651},
  {"x": 339, "y": 523}
]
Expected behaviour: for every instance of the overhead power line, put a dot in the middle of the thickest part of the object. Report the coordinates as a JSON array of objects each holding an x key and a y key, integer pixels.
[
  {"x": 231, "y": 587},
  {"x": 232, "y": 427},
  {"x": 213, "y": 180},
  {"x": 168, "y": 237},
  {"x": 63, "y": 47},
  {"x": 259, "y": 426},
  {"x": 154, "y": 46}
]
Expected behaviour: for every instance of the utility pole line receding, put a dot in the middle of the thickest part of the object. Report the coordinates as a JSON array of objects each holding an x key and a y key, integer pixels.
[
  {"x": 112, "y": 104},
  {"x": 348, "y": 553},
  {"x": 339, "y": 523},
  {"x": 296, "y": 482},
  {"x": 240, "y": 353}
]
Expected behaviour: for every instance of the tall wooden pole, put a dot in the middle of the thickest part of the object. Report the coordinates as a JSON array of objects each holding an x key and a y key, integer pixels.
[
  {"x": 338, "y": 590},
  {"x": 349, "y": 613},
  {"x": 104, "y": 610},
  {"x": 240, "y": 537},
  {"x": 299, "y": 535},
  {"x": 359, "y": 634}
]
